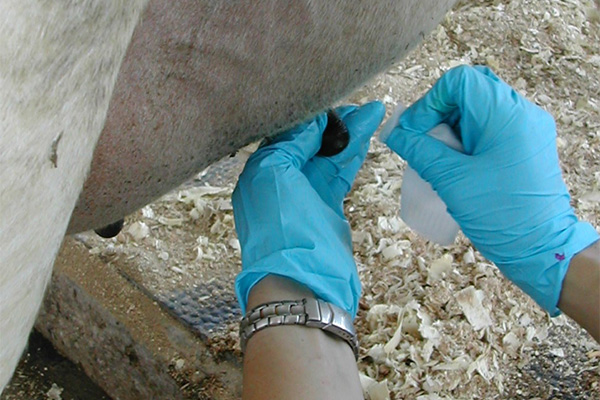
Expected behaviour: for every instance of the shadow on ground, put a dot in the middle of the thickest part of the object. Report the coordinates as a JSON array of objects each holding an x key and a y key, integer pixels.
[{"x": 43, "y": 374}]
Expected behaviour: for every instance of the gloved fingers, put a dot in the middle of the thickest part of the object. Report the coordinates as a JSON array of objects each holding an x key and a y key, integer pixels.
[
  {"x": 425, "y": 154},
  {"x": 487, "y": 71},
  {"x": 350, "y": 170},
  {"x": 454, "y": 122},
  {"x": 474, "y": 101},
  {"x": 331, "y": 183},
  {"x": 362, "y": 122},
  {"x": 340, "y": 184},
  {"x": 343, "y": 111},
  {"x": 346, "y": 177},
  {"x": 297, "y": 145},
  {"x": 320, "y": 180}
]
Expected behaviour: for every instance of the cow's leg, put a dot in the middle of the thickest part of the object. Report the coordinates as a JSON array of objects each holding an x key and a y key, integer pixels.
[
  {"x": 204, "y": 77},
  {"x": 58, "y": 65}
]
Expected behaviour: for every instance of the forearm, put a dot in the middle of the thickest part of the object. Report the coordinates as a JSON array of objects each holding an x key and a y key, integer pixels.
[
  {"x": 580, "y": 296},
  {"x": 296, "y": 362}
]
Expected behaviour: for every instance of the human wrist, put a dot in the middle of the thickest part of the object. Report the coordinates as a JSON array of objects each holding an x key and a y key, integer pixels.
[
  {"x": 293, "y": 357},
  {"x": 277, "y": 288},
  {"x": 330, "y": 275},
  {"x": 294, "y": 305},
  {"x": 542, "y": 273},
  {"x": 580, "y": 294}
]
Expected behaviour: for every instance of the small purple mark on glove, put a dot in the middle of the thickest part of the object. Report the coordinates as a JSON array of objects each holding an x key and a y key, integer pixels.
[{"x": 560, "y": 257}]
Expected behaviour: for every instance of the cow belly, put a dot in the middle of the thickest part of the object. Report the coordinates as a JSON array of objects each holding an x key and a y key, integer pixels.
[
  {"x": 59, "y": 61},
  {"x": 203, "y": 78}
]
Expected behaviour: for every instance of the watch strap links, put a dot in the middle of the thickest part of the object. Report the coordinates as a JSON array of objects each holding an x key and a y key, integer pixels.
[{"x": 310, "y": 312}]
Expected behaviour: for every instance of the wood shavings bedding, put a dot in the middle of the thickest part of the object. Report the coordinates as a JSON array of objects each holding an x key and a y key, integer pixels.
[{"x": 442, "y": 322}]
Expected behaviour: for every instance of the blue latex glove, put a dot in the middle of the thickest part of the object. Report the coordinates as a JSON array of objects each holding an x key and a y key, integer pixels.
[
  {"x": 506, "y": 192},
  {"x": 289, "y": 214}
]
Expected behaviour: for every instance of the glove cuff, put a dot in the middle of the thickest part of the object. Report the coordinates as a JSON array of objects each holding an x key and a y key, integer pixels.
[
  {"x": 342, "y": 290},
  {"x": 541, "y": 276}
]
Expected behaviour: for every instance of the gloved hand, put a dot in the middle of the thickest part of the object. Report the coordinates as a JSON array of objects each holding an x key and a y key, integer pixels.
[
  {"x": 288, "y": 209},
  {"x": 506, "y": 192}
]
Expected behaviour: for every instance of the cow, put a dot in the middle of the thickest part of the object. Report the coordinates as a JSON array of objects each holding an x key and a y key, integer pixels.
[{"x": 107, "y": 104}]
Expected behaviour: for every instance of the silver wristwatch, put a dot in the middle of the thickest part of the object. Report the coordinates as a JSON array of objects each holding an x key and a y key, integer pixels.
[{"x": 309, "y": 312}]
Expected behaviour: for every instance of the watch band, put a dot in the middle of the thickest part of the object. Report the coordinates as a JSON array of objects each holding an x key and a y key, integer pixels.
[{"x": 309, "y": 312}]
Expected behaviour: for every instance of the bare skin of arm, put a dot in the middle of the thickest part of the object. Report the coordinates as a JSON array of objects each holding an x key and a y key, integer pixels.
[
  {"x": 580, "y": 296},
  {"x": 296, "y": 362}
]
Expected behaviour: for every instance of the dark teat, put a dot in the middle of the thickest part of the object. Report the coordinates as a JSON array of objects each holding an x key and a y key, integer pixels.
[{"x": 335, "y": 137}]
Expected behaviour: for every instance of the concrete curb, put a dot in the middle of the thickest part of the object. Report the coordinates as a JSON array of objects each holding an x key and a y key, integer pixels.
[{"x": 123, "y": 339}]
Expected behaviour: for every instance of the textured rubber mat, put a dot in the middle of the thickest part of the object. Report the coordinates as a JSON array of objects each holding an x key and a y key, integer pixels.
[
  {"x": 206, "y": 309},
  {"x": 209, "y": 307}
]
